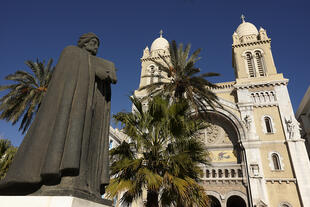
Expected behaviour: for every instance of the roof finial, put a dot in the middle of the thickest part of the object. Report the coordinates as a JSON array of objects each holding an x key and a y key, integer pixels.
[
  {"x": 161, "y": 33},
  {"x": 243, "y": 17}
]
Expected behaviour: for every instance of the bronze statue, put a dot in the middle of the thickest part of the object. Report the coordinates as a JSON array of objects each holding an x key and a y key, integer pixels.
[{"x": 65, "y": 151}]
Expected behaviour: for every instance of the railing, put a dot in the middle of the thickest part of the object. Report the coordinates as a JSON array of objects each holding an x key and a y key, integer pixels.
[{"x": 222, "y": 173}]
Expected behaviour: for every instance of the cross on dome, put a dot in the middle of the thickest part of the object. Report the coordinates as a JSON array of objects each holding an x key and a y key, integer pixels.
[
  {"x": 246, "y": 28},
  {"x": 243, "y": 18},
  {"x": 160, "y": 43}
]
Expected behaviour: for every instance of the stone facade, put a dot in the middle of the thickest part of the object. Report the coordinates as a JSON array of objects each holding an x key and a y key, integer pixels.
[
  {"x": 258, "y": 156},
  {"x": 303, "y": 116}
]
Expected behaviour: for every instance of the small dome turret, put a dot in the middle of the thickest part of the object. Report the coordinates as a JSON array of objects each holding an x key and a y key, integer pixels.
[
  {"x": 246, "y": 28},
  {"x": 160, "y": 43}
]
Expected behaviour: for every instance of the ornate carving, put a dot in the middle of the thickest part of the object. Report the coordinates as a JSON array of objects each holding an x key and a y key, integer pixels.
[
  {"x": 211, "y": 133},
  {"x": 292, "y": 127},
  {"x": 247, "y": 122},
  {"x": 215, "y": 134}
]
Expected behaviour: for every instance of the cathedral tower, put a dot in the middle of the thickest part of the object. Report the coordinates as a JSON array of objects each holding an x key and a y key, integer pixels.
[
  {"x": 252, "y": 55},
  {"x": 159, "y": 49},
  {"x": 275, "y": 154}
]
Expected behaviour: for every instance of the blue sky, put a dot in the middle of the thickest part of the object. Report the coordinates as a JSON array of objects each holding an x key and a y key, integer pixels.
[{"x": 41, "y": 29}]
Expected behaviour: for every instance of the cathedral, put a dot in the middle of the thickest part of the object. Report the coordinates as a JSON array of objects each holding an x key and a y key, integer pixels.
[{"x": 258, "y": 157}]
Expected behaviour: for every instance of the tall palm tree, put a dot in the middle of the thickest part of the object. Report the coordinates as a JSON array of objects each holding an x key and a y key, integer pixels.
[
  {"x": 7, "y": 153},
  {"x": 163, "y": 156},
  {"x": 180, "y": 79},
  {"x": 26, "y": 93}
]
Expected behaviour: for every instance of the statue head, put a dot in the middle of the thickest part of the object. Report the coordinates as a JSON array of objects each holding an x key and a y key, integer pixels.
[{"x": 89, "y": 42}]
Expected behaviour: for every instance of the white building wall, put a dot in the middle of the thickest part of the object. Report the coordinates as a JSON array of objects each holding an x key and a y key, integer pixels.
[{"x": 296, "y": 145}]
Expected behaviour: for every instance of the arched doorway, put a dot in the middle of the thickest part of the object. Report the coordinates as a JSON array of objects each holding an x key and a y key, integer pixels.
[
  {"x": 214, "y": 201},
  {"x": 235, "y": 201}
]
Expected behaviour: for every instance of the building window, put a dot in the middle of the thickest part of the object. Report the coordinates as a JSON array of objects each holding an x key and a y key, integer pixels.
[
  {"x": 220, "y": 174},
  {"x": 207, "y": 174},
  {"x": 260, "y": 63},
  {"x": 276, "y": 161},
  {"x": 249, "y": 60},
  {"x": 213, "y": 173},
  {"x": 233, "y": 173},
  {"x": 226, "y": 173},
  {"x": 110, "y": 144},
  {"x": 268, "y": 125},
  {"x": 285, "y": 204},
  {"x": 152, "y": 71}
]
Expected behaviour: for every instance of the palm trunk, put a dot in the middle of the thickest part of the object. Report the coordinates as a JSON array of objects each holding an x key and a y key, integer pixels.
[{"x": 152, "y": 199}]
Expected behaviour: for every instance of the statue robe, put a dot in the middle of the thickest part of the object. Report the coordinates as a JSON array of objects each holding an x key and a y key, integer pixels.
[{"x": 67, "y": 143}]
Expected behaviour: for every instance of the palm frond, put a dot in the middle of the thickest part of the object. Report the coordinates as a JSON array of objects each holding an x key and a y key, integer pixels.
[
  {"x": 25, "y": 95},
  {"x": 162, "y": 154}
]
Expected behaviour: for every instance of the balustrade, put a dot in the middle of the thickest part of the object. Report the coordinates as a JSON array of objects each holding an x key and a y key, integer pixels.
[{"x": 222, "y": 173}]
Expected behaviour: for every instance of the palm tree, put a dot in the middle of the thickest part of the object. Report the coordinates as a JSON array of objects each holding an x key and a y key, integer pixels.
[
  {"x": 7, "y": 153},
  {"x": 180, "y": 79},
  {"x": 163, "y": 156},
  {"x": 26, "y": 93}
]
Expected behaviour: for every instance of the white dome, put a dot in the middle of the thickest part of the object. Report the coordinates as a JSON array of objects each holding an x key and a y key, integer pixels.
[
  {"x": 246, "y": 28},
  {"x": 160, "y": 44}
]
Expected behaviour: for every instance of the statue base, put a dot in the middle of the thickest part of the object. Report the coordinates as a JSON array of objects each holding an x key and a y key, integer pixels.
[{"x": 50, "y": 201}]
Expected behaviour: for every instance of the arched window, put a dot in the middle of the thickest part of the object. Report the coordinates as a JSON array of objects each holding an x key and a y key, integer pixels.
[
  {"x": 233, "y": 173},
  {"x": 268, "y": 95},
  {"x": 274, "y": 98},
  {"x": 152, "y": 72},
  {"x": 249, "y": 60},
  {"x": 253, "y": 97},
  {"x": 259, "y": 63},
  {"x": 263, "y": 96},
  {"x": 220, "y": 173},
  {"x": 285, "y": 204},
  {"x": 110, "y": 144},
  {"x": 268, "y": 125},
  {"x": 276, "y": 161},
  {"x": 226, "y": 173},
  {"x": 207, "y": 174},
  {"x": 213, "y": 174}
]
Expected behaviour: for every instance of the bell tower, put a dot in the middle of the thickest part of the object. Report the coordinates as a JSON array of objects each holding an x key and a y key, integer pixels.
[
  {"x": 272, "y": 133},
  {"x": 149, "y": 70},
  {"x": 252, "y": 56}
]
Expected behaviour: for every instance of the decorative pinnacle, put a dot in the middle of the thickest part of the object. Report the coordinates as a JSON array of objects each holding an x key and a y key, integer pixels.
[
  {"x": 161, "y": 33},
  {"x": 243, "y": 17}
]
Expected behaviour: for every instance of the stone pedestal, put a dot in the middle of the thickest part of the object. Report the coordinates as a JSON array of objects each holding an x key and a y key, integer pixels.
[{"x": 48, "y": 201}]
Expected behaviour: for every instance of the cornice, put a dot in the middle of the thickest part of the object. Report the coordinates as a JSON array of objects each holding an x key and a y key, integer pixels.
[
  {"x": 280, "y": 180},
  {"x": 154, "y": 58},
  {"x": 224, "y": 85},
  {"x": 246, "y": 44},
  {"x": 117, "y": 135},
  {"x": 261, "y": 84},
  {"x": 261, "y": 105}
]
